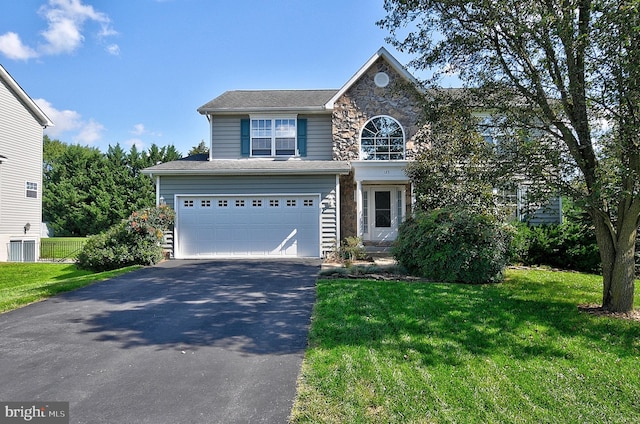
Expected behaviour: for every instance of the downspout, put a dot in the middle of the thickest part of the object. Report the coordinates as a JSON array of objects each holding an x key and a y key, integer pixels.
[
  {"x": 210, "y": 119},
  {"x": 157, "y": 189},
  {"x": 359, "y": 218},
  {"x": 337, "y": 211}
]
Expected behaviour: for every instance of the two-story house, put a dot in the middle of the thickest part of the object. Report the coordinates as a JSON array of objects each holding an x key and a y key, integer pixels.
[
  {"x": 293, "y": 172},
  {"x": 21, "y": 130}
]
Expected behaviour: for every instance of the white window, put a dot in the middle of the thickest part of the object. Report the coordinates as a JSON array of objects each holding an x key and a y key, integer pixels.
[
  {"x": 365, "y": 212},
  {"x": 32, "y": 190},
  {"x": 382, "y": 138},
  {"x": 273, "y": 137}
]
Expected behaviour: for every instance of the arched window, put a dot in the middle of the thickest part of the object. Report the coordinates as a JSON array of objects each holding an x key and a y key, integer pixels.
[{"x": 382, "y": 138}]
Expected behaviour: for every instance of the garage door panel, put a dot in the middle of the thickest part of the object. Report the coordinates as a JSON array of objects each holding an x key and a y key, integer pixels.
[{"x": 269, "y": 225}]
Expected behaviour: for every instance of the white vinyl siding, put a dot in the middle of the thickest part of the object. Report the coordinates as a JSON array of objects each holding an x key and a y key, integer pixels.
[
  {"x": 226, "y": 137},
  {"x": 21, "y": 144}
]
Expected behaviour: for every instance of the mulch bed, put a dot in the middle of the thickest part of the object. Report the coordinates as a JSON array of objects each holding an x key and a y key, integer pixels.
[{"x": 601, "y": 312}]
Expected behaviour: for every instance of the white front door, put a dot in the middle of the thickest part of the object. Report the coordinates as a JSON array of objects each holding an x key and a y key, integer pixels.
[{"x": 383, "y": 211}]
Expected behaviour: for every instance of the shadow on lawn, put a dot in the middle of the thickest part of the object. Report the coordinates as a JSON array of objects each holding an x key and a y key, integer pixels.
[
  {"x": 254, "y": 307},
  {"x": 445, "y": 323}
]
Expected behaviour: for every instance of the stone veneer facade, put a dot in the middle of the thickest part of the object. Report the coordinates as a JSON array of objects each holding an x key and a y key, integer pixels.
[{"x": 361, "y": 102}]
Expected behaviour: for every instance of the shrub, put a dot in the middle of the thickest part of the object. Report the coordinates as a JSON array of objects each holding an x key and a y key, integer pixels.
[
  {"x": 134, "y": 241},
  {"x": 454, "y": 245},
  {"x": 570, "y": 245},
  {"x": 352, "y": 249}
]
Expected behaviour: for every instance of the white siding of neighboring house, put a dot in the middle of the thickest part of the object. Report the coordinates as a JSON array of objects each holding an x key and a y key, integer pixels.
[
  {"x": 226, "y": 137},
  {"x": 21, "y": 144}
]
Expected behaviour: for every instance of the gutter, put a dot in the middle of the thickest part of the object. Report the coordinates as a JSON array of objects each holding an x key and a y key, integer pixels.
[
  {"x": 249, "y": 110},
  {"x": 178, "y": 172}
]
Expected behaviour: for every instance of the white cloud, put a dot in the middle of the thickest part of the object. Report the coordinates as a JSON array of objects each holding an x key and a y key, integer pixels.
[
  {"x": 90, "y": 132},
  {"x": 64, "y": 120},
  {"x": 113, "y": 49},
  {"x": 70, "y": 123},
  {"x": 64, "y": 33},
  {"x": 138, "y": 129},
  {"x": 12, "y": 47},
  {"x": 138, "y": 143}
]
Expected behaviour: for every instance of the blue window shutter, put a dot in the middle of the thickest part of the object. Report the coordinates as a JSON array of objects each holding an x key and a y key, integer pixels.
[
  {"x": 245, "y": 137},
  {"x": 302, "y": 137}
]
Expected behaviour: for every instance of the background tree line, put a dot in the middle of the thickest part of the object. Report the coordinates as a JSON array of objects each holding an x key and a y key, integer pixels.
[{"x": 86, "y": 191}]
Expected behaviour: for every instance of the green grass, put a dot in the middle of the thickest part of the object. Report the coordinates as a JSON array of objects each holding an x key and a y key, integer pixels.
[
  {"x": 24, "y": 283},
  {"x": 517, "y": 352}
]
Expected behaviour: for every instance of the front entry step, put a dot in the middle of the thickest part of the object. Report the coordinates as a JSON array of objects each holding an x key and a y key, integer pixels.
[{"x": 378, "y": 248}]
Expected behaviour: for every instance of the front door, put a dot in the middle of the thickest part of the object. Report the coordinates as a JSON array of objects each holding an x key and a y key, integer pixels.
[{"x": 383, "y": 210}]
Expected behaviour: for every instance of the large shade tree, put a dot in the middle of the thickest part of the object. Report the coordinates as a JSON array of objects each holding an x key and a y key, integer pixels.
[{"x": 564, "y": 73}]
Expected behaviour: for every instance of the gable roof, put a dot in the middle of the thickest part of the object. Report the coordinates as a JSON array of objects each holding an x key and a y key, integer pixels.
[
  {"x": 273, "y": 101},
  {"x": 268, "y": 101},
  {"x": 13, "y": 85},
  {"x": 381, "y": 53}
]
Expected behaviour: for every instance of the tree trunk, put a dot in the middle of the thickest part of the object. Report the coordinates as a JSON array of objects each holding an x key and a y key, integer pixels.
[{"x": 617, "y": 252}]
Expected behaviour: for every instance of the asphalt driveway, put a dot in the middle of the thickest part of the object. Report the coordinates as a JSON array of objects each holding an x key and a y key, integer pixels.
[{"x": 181, "y": 342}]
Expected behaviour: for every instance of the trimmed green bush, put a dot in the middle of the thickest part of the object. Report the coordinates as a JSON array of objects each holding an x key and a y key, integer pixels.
[
  {"x": 454, "y": 245},
  {"x": 134, "y": 241}
]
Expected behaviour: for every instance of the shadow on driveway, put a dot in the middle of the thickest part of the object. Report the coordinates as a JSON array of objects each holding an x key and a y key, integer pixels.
[
  {"x": 181, "y": 342},
  {"x": 253, "y": 307}
]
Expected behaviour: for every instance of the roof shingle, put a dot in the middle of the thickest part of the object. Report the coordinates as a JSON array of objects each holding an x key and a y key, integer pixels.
[{"x": 264, "y": 100}]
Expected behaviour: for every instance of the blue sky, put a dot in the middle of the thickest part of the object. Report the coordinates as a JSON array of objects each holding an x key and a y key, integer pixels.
[{"x": 135, "y": 71}]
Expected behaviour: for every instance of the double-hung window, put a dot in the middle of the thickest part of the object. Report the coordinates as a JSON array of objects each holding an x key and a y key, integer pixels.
[
  {"x": 273, "y": 136},
  {"x": 32, "y": 190}
]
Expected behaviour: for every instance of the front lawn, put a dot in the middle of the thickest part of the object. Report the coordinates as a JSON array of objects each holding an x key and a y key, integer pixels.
[
  {"x": 517, "y": 352},
  {"x": 24, "y": 283}
]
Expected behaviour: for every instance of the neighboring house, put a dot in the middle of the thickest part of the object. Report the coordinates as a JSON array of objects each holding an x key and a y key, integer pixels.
[
  {"x": 21, "y": 131},
  {"x": 293, "y": 172}
]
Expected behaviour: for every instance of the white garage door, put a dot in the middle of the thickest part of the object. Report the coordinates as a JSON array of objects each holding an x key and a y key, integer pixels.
[{"x": 228, "y": 226}]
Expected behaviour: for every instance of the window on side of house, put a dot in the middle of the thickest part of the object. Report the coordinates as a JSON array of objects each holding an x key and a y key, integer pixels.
[
  {"x": 382, "y": 138},
  {"x": 490, "y": 129},
  {"x": 273, "y": 137},
  {"x": 32, "y": 190}
]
